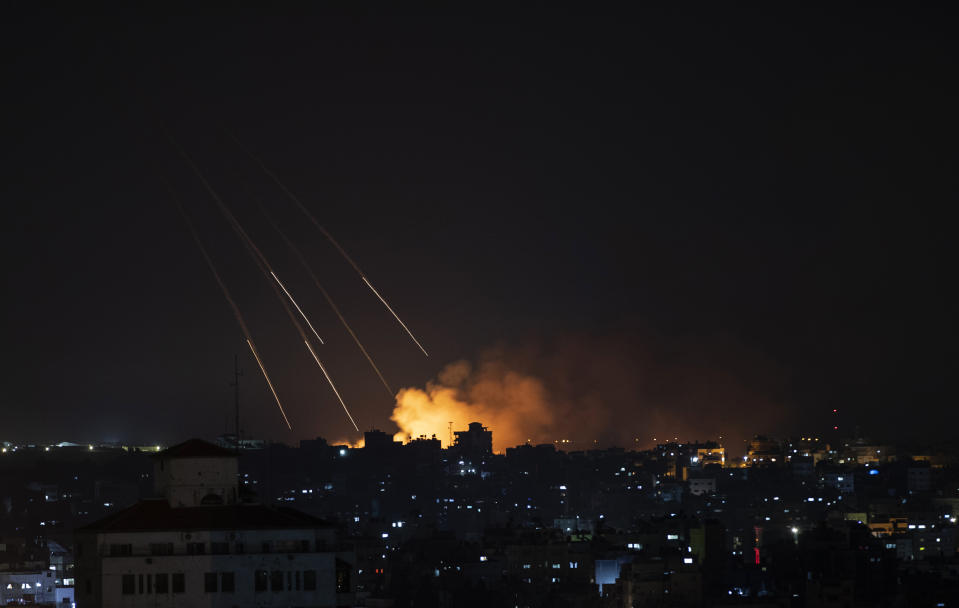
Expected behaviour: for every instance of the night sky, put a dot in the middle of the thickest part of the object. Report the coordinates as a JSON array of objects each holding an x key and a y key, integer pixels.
[{"x": 747, "y": 210}]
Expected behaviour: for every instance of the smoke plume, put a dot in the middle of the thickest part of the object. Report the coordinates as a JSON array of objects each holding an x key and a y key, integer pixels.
[{"x": 596, "y": 392}]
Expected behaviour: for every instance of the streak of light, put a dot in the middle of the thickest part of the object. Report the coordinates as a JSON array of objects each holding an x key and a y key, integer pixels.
[
  {"x": 300, "y": 310},
  {"x": 229, "y": 298},
  {"x": 333, "y": 386},
  {"x": 395, "y": 316},
  {"x": 248, "y": 243},
  {"x": 267, "y": 376},
  {"x": 261, "y": 262},
  {"x": 329, "y": 300},
  {"x": 323, "y": 231}
]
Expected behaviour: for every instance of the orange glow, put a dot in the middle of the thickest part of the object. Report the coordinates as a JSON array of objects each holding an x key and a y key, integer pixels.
[
  {"x": 355, "y": 445},
  {"x": 514, "y": 406}
]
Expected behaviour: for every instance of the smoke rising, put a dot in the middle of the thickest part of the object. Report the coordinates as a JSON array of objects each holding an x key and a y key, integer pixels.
[{"x": 600, "y": 391}]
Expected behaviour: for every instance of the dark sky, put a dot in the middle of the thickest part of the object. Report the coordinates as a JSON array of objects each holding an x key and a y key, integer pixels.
[{"x": 765, "y": 191}]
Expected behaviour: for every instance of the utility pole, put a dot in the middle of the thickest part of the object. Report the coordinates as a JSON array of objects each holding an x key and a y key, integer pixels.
[{"x": 236, "y": 399}]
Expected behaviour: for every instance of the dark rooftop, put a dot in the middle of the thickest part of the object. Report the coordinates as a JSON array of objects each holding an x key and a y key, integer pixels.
[
  {"x": 157, "y": 514},
  {"x": 195, "y": 448}
]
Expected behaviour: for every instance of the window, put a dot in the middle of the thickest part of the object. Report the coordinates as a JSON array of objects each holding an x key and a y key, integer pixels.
[
  {"x": 119, "y": 550},
  {"x": 276, "y": 580},
  {"x": 304, "y": 546},
  {"x": 179, "y": 582},
  {"x": 219, "y": 548},
  {"x": 226, "y": 582},
  {"x": 140, "y": 580},
  {"x": 162, "y": 583},
  {"x": 127, "y": 583},
  {"x": 239, "y": 548},
  {"x": 161, "y": 548},
  {"x": 309, "y": 580},
  {"x": 195, "y": 548},
  {"x": 209, "y": 582},
  {"x": 259, "y": 580},
  {"x": 296, "y": 585},
  {"x": 266, "y": 547}
]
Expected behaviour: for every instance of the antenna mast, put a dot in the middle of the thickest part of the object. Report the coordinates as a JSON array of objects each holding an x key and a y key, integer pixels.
[{"x": 237, "y": 372}]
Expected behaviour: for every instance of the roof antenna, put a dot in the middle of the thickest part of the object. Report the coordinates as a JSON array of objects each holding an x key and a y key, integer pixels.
[{"x": 237, "y": 372}]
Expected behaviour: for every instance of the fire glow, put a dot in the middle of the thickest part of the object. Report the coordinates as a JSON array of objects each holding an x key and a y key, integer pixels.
[{"x": 512, "y": 405}]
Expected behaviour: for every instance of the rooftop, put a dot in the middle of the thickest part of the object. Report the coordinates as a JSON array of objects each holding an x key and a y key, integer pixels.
[{"x": 158, "y": 515}]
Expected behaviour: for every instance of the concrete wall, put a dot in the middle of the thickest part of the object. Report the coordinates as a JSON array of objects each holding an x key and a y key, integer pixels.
[
  {"x": 186, "y": 481},
  {"x": 104, "y": 573}
]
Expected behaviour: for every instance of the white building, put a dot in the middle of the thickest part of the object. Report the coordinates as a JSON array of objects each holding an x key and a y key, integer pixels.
[{"x": 199, "y": 546}]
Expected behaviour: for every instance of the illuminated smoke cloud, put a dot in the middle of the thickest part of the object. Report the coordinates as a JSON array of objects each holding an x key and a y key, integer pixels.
[
  {"x": 597, "y": 392},
  {"x": 513, "y": 405}
]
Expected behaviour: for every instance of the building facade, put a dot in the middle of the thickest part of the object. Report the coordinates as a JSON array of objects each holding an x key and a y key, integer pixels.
[{"x": 199, "y": 546}]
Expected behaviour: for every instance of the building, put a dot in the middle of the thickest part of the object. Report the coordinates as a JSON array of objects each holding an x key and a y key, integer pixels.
[
  {"x": 699, "y": 486},
  {"x": 763, "y": 451},
  {"x": 845, "y": 482},
  {"x": 476, "y": 442},
  {"x": 918, "y": 478},
  {"x": 199, "y": 545},
  {"x": 27, "y": 587}
]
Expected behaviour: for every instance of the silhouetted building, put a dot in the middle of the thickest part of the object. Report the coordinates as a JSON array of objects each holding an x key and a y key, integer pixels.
[{"x": 476, "y": 442}]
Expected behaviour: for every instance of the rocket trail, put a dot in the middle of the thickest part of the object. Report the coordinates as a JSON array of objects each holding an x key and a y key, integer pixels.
[
  {"x": 329, "y": 300},
  {"x": 261, "y": 262},
  {"x": 395, "y": 316},
  {"x": 333, "y": 386},
  {"x": 325, "y": 233},
  {"x": 300, "y": 310},
  {"x": 267, "y": 376},
  {"x": 248, "y": 243},
  {"x": 232, "y": 303}
]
